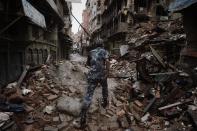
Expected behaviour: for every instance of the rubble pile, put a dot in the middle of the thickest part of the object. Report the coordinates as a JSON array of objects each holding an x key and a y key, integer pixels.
[
  {"x": 147, "y": 91},
  {"x": 50, "y": 99},
  {"x": 157, "y": 32},
  {"x": 118, "y": 70},
  {"x": 41, "y": 102},
  {"x": 167, "y": 37},
  {"x": 162, "y": 96}
]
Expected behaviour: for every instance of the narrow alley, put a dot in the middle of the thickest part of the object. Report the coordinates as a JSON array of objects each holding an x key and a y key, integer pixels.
[{"x": 98, "y": 65}]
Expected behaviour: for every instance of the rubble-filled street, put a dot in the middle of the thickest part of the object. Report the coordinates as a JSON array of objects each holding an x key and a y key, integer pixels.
[
  {"x": 50, "y": 98},
  {"x": 98, "y": 65}
]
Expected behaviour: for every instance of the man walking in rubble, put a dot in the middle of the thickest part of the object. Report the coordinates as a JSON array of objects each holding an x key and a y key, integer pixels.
[{"x": 99, "y": 67}]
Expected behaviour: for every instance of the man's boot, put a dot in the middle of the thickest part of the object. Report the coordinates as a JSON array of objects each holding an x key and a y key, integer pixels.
[{"x": 83, "y": 118}]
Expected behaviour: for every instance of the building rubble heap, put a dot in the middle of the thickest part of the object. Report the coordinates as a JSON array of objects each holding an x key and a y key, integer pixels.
[
  {"x": 147, "y": 89},
  {"x": 162, "y": 94}
]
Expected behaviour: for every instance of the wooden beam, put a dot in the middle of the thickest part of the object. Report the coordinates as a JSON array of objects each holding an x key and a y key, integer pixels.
[
  {"x": 10, "y": 24},
  {"x": 22, "y": 77},
  {"x": 158, "y": 57}
]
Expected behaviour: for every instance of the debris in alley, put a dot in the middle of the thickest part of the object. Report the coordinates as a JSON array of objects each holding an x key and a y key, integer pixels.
[
  {"x": 152, "y": 78},
  {"x": 4, "y": 117},
  {"x": 146, "y": 93}
]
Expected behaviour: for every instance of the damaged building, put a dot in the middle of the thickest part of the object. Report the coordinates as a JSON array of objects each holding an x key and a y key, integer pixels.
[
  {"x": 31, "y": 31},
  {"x": 152, "y": 74},
  {"x": 113, "y": 20},
  {"x": 116, "y": 20}
]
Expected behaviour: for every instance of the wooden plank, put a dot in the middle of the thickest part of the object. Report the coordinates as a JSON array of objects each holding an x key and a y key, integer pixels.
[
  {"x": 174, "y": 104},
  {"x": 158, "y": 57},
  {"x": 23, "y": 76},
  {"x": 149, "y": 105},
  {"x": 10, "y": 24}
]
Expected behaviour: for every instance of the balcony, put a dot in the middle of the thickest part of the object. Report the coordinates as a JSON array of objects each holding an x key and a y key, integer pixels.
[{"x": 121, "y": 27}]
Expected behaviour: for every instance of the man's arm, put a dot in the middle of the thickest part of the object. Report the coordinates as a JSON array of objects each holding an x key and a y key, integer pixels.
[
  {"x": 108, "y": 67},
  {"x": 88, "y": 60},
  {"x": 107, "y": 63}
]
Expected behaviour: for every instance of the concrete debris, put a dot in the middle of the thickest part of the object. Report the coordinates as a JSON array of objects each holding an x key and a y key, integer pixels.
[
  {"x": 123, "y": 123},
  {"x": 124, "y": 49},
  {"x": 145, "y": 117},
  {"x": 52, "y": 97},
  {"x": 133, "y": 101},
  {"x": 167, "y": 123},
  {"x": 62, "y": 126},
  {"x": 39, "y": 94},
  {"x": 65, "y": 118},
  {"x": 192, "y": 107},
  {"x": 48, "y": 109},
  {"x": 158, "y": 89},
  {"x": 129, "y": 130},
  {"x": 29, "y": 128},
  {"x": 26, "y": 92},
  {"x": 55, "y": 119},
  {"x": 121, "y": 113},
  {"x": 93, "y": 127},
  {"x": 62, "y": 117},
  {"x": 55, "y": 91},
  {"x": 50, "y": 128},
  {"x": 4, "y": 117},
  {"x": 147, "y": 91},
  {"x": 11, "y": 85},
  {"x": 42, "y": 79},
  {"x": 121, "y": 69},
  {"x": 69, "y": 105}
]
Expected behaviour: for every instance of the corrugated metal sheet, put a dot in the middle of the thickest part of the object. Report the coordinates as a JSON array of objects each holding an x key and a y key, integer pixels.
[{"x": 179, "y": 5}]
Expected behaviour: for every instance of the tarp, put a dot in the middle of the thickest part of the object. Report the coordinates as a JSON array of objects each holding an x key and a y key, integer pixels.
[
  {"x": 179, "y": 5},
  {"x": 33, "y": 14}
]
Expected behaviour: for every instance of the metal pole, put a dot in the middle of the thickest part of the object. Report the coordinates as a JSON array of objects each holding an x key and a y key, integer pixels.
[{"x": 80, "y": 25}]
